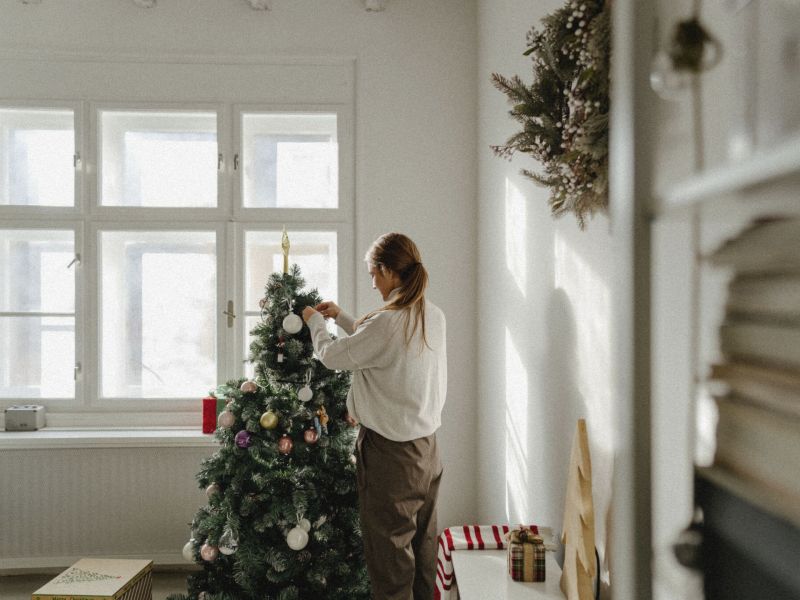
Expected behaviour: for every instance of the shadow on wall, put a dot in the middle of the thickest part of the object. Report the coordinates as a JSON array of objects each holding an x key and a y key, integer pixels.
[{"x": 563, "y": 404}]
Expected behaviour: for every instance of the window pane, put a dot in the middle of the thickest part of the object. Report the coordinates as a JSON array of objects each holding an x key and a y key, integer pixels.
[
  {"x": 158, "y": 314},
  {"x": 35, "y": 275},
  {"x": 290, "y": 160},
  {"x": 37, "y": 148},
  {"x": 313, "y": 251},
  {"x": 37, "y": 357},
  {"x": 158, "y": 158}
]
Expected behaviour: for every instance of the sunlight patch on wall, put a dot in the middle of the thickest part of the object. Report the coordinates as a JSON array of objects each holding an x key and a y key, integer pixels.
[
  {"x": 517, "y": 490},
  {"x": 516, "y": 229},
  {"x": 590, "y": 298}
]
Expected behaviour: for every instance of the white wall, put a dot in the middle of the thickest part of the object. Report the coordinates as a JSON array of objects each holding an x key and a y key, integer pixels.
[
  {"x": 544, "y": 298},
  {"x": 415, "y": 135}
]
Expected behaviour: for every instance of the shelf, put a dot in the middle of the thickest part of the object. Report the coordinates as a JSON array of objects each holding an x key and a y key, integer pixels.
[
  {"x": 483, "y": 575},
  {"x": 66, "y": 438},
  {"x": 769, "y": 166}
]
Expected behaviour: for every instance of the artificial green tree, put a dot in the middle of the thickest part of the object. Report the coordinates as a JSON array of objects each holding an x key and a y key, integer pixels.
[{"x": 282, "y": 515}]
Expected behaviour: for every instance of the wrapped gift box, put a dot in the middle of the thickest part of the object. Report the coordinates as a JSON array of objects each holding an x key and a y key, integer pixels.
[
  {"x": 101, "y": 579},
  {"x": 525, "y": 555}
]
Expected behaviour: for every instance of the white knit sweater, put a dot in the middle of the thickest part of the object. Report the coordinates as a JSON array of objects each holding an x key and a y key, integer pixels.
[{"x": 398, "y": 389}]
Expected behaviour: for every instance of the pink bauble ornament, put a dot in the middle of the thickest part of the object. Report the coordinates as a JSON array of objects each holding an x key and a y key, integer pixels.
[
  {"x": 209, "y": 553},
  {"x": 212, "y": 490},
  {"x": 285, "y": 444},
  {"x": 248, "y": 387},
  {"x": 226, "y": 419},
  {"x": 243, "y": 439},
  {"x": 310, "y": 436},
  {"x": 262, "y": 303}
]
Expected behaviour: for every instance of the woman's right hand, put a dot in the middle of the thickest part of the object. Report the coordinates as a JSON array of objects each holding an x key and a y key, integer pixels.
[{"x": 329, "y": 309}]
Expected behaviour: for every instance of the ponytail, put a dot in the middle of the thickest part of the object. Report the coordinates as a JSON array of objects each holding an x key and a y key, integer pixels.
[{"x": 396, "y": 252}]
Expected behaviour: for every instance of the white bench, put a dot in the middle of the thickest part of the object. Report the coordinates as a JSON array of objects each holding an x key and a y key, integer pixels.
[{"x": 483, "y": 575}]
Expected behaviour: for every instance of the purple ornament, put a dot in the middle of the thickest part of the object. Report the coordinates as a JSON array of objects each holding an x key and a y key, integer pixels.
[{"x": 243, "y": 439}]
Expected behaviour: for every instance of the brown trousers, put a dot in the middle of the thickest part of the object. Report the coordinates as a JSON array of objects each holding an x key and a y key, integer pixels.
[{"x": 398, "y": 484}]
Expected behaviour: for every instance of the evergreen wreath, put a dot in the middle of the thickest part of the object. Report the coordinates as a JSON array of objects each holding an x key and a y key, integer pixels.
[{"x": 564, "y": 112}]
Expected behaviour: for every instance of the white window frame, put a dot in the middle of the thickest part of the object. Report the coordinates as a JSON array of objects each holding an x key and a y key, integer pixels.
[{"x": 229, "y": 219}]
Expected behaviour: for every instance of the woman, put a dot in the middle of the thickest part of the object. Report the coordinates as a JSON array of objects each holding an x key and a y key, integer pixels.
[{"x": 397, "y": 355}]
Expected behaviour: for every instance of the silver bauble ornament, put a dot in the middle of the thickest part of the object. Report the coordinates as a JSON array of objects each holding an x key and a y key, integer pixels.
[{"x": 188, "y": 551}]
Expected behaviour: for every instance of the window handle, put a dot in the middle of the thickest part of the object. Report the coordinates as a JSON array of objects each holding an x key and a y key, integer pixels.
[
  {"x": 230, "y": 313},
  {"x": 77, "y": 259},
  {"x": 76, "y": 371},
  {"x": 76, "y": 160},
  {"x": 220, "y": 161},
  {"x": 235, "y": 162}
]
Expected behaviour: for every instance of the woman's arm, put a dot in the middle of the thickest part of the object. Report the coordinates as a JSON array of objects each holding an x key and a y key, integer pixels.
[{"x": 361, "y": 350}]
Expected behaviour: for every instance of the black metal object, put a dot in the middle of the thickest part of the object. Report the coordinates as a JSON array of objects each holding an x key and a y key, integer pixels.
[{"x": 747, "y": 553}]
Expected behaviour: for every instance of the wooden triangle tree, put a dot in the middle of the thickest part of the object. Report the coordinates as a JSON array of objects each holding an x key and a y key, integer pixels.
[{"x": 580, "y": 568}]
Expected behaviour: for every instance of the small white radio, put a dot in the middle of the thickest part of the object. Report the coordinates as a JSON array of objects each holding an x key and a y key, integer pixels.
[{"x": 27, "y": 417}]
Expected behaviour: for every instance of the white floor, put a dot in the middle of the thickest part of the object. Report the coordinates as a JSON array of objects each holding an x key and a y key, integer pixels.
[{"x": 20, "y": 587}]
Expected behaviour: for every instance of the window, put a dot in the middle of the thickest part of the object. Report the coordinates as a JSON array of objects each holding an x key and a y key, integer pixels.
[{"x": 130, "y": 279}]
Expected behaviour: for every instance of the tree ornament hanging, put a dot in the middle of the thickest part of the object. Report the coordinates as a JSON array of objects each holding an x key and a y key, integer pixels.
[
  {"x": 305, "y": 393},
  {"x": 209, "y": 553},
  {"x": 321, "y": 421},
  {"x": 243, "y": 439},
  {"x": 285, "y": 444},
  {"x": 188, "y": 551},
  {"x": 212, "y": 490},
  {"x": 228, "y": 544},
  {"x": 292, "y": 323},
  {"x": 269, "y": 420},
  {"x": 564, "y": 112},
  {"x": 297, "y": 538},
  {"x": 281, "y": 346},
  {"x": 249, "y": 387},
  {"x": 310, "y": 435},
  {"x": 226, "y": 419}
]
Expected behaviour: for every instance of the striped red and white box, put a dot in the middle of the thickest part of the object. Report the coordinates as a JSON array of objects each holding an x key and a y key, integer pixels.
[{"x": 101, "y": 579}]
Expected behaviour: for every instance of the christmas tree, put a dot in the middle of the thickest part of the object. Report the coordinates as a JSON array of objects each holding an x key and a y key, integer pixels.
[{"x": 282, "y": 516}]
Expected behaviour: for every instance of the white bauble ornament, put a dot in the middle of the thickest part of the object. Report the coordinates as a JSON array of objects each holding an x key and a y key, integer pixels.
[
  {"x": 353, "y": 459},
  {"x": 297, "y": 538},
  {"x": 305, "y": 394},
  {"x": 212, "y": 490},
  {"x": 292, "y": 323},
  {"x": 304, "y": 524},
  {"x": 228, "y": 543},
  {"x": 188, "y": 551}
]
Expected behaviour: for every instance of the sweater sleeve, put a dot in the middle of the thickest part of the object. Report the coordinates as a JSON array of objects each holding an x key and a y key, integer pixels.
[
  {"x": 362, "y": 350},
  {"x": 346, "y": 322}
]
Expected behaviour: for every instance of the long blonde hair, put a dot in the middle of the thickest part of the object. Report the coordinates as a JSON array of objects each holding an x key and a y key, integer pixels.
[{"x": 397, "y": 253}]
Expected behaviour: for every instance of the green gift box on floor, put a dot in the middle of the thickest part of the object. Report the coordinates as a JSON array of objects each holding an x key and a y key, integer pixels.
[{"x": 101, "y": 579}]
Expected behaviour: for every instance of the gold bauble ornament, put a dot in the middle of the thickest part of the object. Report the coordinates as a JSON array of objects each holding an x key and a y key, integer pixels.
[{"x": 269, "y": 420}]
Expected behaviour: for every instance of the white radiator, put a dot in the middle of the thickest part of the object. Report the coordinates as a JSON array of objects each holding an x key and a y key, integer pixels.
[{"x": 59, "y": 505}]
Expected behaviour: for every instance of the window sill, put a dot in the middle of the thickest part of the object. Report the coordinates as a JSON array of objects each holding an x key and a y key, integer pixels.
[{"x": 71, "y": 438}]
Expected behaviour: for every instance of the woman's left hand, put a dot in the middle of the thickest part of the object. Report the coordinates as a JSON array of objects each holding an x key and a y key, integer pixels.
[{"x": 308, "y": 312}]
